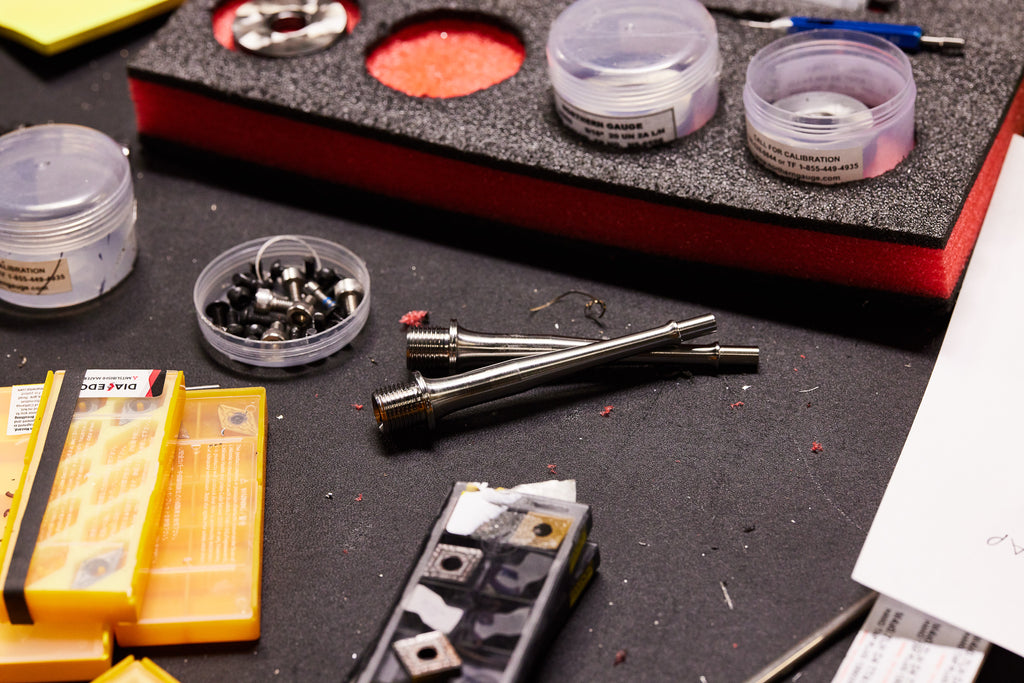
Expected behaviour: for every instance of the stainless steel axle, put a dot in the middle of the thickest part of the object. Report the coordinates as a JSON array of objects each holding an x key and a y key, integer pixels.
[
  {"x": 421, "y": 402},
  {"x": 454, "y": 348}
]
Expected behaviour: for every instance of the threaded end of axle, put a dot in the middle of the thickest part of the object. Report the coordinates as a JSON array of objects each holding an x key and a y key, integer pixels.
[
  {"x": 399, "y": 407},
  {"x": 427, "y": 348}
]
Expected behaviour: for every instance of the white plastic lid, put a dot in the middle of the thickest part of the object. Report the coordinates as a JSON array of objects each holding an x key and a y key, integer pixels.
[
  {"x": 62, "y": 186},
  {"x": 615, "y": 57}
]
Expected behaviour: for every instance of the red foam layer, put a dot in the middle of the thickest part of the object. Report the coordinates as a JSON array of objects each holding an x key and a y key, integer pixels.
[{"x": 232, "y": 130}]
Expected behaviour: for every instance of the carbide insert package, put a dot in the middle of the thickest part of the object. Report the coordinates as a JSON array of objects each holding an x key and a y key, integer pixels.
[{"x": 498, "y": 574}]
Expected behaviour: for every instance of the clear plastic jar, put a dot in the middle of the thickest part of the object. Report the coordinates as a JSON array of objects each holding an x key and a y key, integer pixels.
[
  {"x": 634, "y": 74},
  {"x": 67, "y": 216},
  {"x": 830, "y": 106},
  {"x": 215, "y": 280}
]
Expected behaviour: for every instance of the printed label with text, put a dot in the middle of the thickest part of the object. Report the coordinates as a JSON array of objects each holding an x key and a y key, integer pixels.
[
  {"x": 35, "y": 278},
  {"x": 122, "y": 383},
  {"x": 24, "y": 404},
  {"x": 826, "y": 167},
  {"x": 624, "y": 131}
]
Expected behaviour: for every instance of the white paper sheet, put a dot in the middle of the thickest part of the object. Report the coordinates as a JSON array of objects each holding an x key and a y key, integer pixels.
[{"x": 948, "y": 538}]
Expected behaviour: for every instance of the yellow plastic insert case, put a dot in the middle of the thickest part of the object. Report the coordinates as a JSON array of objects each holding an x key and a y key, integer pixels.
[
  {"x": 54, "y": 652},
  {"x": 14, "y": 440},
  {"x": 85, "y": 513},
  {"x": 204, "y": 580},
  {"x": 131, "y": 670},
  {"x": 39, "y": 652}
]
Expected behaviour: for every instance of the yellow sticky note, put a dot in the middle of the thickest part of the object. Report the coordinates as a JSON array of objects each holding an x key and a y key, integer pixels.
[{"x": 52, "y": 26}]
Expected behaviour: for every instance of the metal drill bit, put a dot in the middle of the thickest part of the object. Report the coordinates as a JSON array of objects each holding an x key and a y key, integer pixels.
[
  {"x": 453, "y": 348},
  {"x": 421, "y": 402},
  {"x": 807, "y": 647}
]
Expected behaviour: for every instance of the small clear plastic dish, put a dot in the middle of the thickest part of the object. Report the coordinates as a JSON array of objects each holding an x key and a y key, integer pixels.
[{"x": 216, "y": 280}]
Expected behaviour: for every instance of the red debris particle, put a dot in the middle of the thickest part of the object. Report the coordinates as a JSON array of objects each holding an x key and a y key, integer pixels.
[
  {"x": 551, "y": 469},
  {"x": 344, "y": 552},
  {"x": 808, "y": 404},
  {"x": 803, "y": 356},
  {"x": 357, "y": 406},
  {"x": 620, "y": 657},
  {"x": 816, "y": 447},
  {"x": 607, "y": 410},
  {"x": 735, "y": 645},
  {"x": 737, "y": 404},
  {"x": 414, "y": 318},
  {"x": 359, "y": 497},
  {"x": 796, "y": 370}
]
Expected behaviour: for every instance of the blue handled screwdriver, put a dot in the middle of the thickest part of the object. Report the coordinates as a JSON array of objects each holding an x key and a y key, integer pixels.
[{"x": 905, "y": 36}]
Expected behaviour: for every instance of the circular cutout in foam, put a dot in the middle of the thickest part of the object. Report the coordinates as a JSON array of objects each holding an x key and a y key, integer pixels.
[
  {"x": 223, "y": 17},
  {"x": 445, "y": 57}
]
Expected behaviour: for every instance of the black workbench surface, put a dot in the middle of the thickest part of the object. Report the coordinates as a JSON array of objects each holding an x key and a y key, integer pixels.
[{"x": 700, "y": 484}]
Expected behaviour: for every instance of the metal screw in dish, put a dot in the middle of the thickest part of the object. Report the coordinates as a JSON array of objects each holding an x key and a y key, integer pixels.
[
  {"x": 349, "y": 292},
  {"x": 219, "y": 313},
  {"x": 275, "y": 332},
  {"x": 421, "y": 402},
  {"x": 239, "y": 297},
  {"x": 249, "y": 316},
  {"x": 326, "y": 277},
  {"x": 311, "y": 288},
  {"x": 247, "y": 280},
  {"x": 454, "y": 347},
  {"x": 297, "y": 311},
  {"x": 293, "y": 279}
]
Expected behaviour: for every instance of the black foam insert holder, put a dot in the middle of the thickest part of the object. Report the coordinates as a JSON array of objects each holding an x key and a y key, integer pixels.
[{"x": 501, "y": 153}]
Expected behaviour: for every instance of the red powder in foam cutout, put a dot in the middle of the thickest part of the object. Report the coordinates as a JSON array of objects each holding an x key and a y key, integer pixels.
[
  {"x": 446, "y": 58},
  {"x": 224, "y": 17}
]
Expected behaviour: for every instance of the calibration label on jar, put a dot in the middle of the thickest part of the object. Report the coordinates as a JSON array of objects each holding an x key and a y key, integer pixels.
[
  {"x": 814, "y": 166},
  {"x": 624, "y": 131},
  {"x": 35, "y": 277}
]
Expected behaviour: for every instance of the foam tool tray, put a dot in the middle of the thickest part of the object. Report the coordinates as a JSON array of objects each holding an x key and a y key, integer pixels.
[
  {"x": 701, "y": 198},
  {"x": 497, "y": 576}
]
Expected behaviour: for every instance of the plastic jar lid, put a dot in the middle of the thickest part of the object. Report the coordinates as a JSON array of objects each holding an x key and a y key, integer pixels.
[
  {"x": 634, "y": 73},
  {"x": 830, "y": 106},
  {"x": 215, "y": 280},
  {"x": 67, "y": 215}
]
